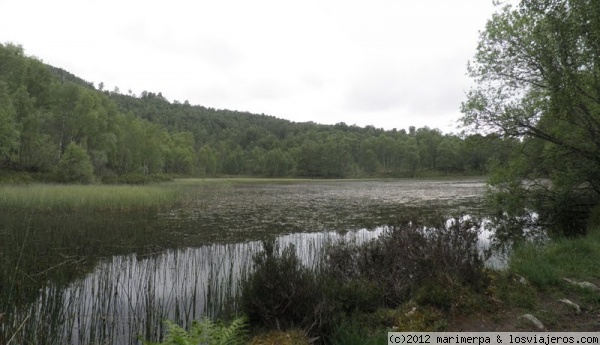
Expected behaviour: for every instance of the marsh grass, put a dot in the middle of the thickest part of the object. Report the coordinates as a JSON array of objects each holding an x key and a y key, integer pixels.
[{"x": 55, "y": 197}]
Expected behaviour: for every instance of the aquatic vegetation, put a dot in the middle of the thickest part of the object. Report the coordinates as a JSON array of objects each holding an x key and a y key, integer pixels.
[{"x": 52, "y": 198}]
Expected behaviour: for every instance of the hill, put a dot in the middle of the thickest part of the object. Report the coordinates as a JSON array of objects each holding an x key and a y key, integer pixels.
[{"x": 44, "y": 110}]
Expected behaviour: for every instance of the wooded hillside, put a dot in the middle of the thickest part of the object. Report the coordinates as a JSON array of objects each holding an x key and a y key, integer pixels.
[{"x": 58, "y": 126}]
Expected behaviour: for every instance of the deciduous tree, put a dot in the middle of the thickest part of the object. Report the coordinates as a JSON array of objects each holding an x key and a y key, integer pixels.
[{"x": 537, "y": 69}]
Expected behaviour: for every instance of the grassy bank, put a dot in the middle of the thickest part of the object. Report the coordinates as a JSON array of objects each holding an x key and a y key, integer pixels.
[
  {"x": 547, "y": 266},
  {"x": 535, "y": 284}
]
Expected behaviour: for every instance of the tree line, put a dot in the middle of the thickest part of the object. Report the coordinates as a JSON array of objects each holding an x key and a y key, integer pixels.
[{"x": 57, "y": 125}]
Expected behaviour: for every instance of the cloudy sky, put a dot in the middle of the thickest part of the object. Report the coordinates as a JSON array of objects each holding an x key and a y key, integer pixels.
[{"x": 390, "y": 64}]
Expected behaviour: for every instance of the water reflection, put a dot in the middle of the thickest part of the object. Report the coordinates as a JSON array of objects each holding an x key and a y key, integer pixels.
[{"x": 132, "y": 295}]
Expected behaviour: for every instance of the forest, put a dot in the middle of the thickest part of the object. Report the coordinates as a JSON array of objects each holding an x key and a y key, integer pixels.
[{"x": 56, "y": 127}]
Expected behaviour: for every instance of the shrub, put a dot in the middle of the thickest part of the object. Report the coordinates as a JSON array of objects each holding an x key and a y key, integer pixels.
[
  {"x": 75, "y": 166},
  {"x": 408, "y": 257},
  {"x": 436, "y": 266},
  {"x": 280, "y": 292}
]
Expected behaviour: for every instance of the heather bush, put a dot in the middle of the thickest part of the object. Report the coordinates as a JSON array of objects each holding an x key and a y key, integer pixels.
[{"x": 432, "y": 265}]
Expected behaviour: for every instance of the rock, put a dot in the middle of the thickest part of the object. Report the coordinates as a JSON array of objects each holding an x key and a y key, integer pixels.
[
  {"x": 585, "y": 285},
  {"x": 412, "y": 311},
  {"x": 571, "y": 304},
  {"x": 534, "y": 320}
]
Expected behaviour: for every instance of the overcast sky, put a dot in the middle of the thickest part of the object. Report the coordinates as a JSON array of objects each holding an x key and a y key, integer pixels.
[{"x": 390, "y": 64}]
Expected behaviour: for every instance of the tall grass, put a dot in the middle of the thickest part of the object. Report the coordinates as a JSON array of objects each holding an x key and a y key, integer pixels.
[
  {"x": 544, "y": 266},
  {"x": 53, "y": 197}
]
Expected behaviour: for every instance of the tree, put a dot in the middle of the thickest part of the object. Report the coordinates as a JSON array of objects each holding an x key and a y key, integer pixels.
[
  {"x": 412, "y": 158},
  {"x": 207, "y": 161},
  {"x": 310, "y": 159},
  {"x": 254, "y": 162},
  {"x": 368, "y": 160},
  {"x": 277, "y": 163},
  {"x": 9, "y": 134},
  {"x": 182, "y": 153},
  {"x": 448, "y": 155},
  {"x": 75, "y": 166},
  {"x": 537, "y": 69},
  {"x": 234, "y": 162},
  {"x": 428, "y": 141}
]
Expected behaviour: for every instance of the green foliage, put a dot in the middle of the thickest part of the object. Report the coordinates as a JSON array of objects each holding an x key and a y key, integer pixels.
[
  {"x": 407, "y": 258},
  {"x": 536, "y": 69},
  {"x": 75, "y": 166},
  {"x": 277, "y": 163},
  {"x": 205, "y": 332},
  {"x": 207, "y": 161},
  {"x": 547, "y": 265},
  {"x": 280, "y": 292},
  {"x": 436, "y": 267},
  {"x": 9, "y": 134}
]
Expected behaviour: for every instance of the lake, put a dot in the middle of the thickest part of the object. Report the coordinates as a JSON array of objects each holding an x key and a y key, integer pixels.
[{"x": 106, "y": 277}]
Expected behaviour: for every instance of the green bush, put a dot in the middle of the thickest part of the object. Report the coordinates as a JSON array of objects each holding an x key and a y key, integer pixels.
[
  {"x": 280, "y": 292},
  {"x": 437, "y": 266},
  {"x": 406, "y": 258},
  {"x": 75, "y": 166},
  {"x": 12, "y": 177}
]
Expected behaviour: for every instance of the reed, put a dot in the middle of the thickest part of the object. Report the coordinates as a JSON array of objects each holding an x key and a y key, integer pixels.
[{"x": 54, "y": 197}]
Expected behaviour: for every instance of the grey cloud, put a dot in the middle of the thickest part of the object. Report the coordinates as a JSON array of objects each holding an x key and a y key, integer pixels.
[
  {"x": 429, "y": 91},
  {"x": 217, "y": 53},
  {"x": 166, "y": 39},
  {"x": 268, "y": 89},
  {"x": 377, "y": 90}
]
